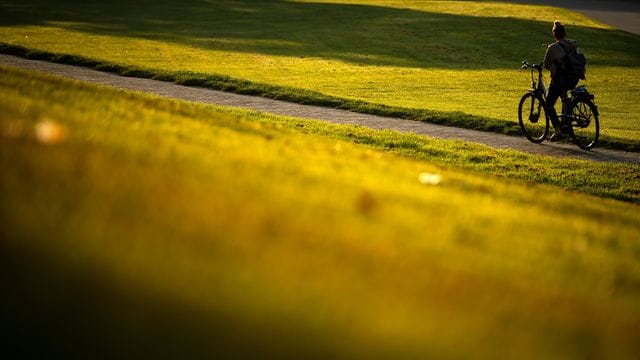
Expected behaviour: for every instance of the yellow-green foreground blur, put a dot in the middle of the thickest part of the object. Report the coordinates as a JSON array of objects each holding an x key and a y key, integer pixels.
[{"x": 134, "y": 226}]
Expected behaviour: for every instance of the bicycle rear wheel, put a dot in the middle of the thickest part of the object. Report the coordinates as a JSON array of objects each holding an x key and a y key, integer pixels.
[
  {"x": 533, "y": 118},
  {"x": 585, "y": 126}
]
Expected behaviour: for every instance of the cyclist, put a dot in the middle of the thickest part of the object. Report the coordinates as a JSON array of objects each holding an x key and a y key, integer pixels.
[{"x": 560, "y": 81}]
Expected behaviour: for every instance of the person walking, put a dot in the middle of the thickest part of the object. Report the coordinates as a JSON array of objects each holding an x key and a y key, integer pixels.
[{"x": 561, "y": 82}]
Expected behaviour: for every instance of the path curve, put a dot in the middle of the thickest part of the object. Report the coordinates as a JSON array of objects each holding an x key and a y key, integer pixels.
[
  {"x": 279, "y": 107},
  {"x": 624, "y": 15}
]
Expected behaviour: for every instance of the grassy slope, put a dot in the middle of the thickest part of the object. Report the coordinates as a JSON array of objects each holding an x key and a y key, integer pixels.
[
  {"x": 170, "y": 227},
  {"x": 447, "y": 62}
]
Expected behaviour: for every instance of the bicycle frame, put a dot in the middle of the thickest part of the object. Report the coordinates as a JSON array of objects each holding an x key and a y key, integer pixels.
[
  {"x": 538, "y": 90},
  {"x": 569, "y": 100},
  {"x": 538, "y": 87}
]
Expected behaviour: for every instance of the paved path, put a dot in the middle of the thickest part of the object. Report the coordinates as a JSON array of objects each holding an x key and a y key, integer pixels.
[
  {"x": 210, "y": 96},
  {"x": 624, "y": 15}
]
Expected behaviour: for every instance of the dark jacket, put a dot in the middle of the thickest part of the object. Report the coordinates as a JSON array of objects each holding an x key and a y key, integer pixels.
[{"x": 554, "y": 58}]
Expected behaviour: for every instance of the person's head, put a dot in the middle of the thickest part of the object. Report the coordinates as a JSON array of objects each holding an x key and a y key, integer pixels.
[{"x": 558, "y": 30}]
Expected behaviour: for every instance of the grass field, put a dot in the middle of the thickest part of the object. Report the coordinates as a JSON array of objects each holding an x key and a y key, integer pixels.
[
  {"x": 135, "y": 226},
  {"x": 453, "y": 62}
]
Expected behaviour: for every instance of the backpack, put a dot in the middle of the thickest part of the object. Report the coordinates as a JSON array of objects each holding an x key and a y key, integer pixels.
[{"x": 575, "y": 64}]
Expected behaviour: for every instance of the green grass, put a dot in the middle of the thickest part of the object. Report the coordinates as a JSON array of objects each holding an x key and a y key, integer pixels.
[
  {"x": 453, "y": 62},
  {"x": 157, "y": 228}
]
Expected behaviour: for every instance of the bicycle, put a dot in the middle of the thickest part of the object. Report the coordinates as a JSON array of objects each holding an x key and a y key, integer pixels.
[{"x": 579, "y": 112}]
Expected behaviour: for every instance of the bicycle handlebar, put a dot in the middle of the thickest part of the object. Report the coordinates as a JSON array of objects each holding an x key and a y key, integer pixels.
[{"x": 526, "y": 65}]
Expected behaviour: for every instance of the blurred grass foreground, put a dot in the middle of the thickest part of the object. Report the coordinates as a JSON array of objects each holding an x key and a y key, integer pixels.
[{"x": 137, "y": 227}]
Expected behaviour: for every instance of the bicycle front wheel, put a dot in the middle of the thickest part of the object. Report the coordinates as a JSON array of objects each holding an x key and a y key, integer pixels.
[
  {"x": 533, "y": 118},
  {"x": 585, "y": 126}
]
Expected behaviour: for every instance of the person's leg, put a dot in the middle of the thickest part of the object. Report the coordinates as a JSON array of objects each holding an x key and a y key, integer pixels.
[{"x": 555, "y": 90}]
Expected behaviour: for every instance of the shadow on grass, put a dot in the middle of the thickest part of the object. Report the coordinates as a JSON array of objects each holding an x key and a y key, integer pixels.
[
  {"x": 361, "y": 34},
  {"x": 53, "y": 309}
]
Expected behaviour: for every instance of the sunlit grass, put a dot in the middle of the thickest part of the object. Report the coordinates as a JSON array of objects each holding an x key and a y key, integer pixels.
[
  {"x": 447, "y": 56},
  {"x": 198, "y": 230}
]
